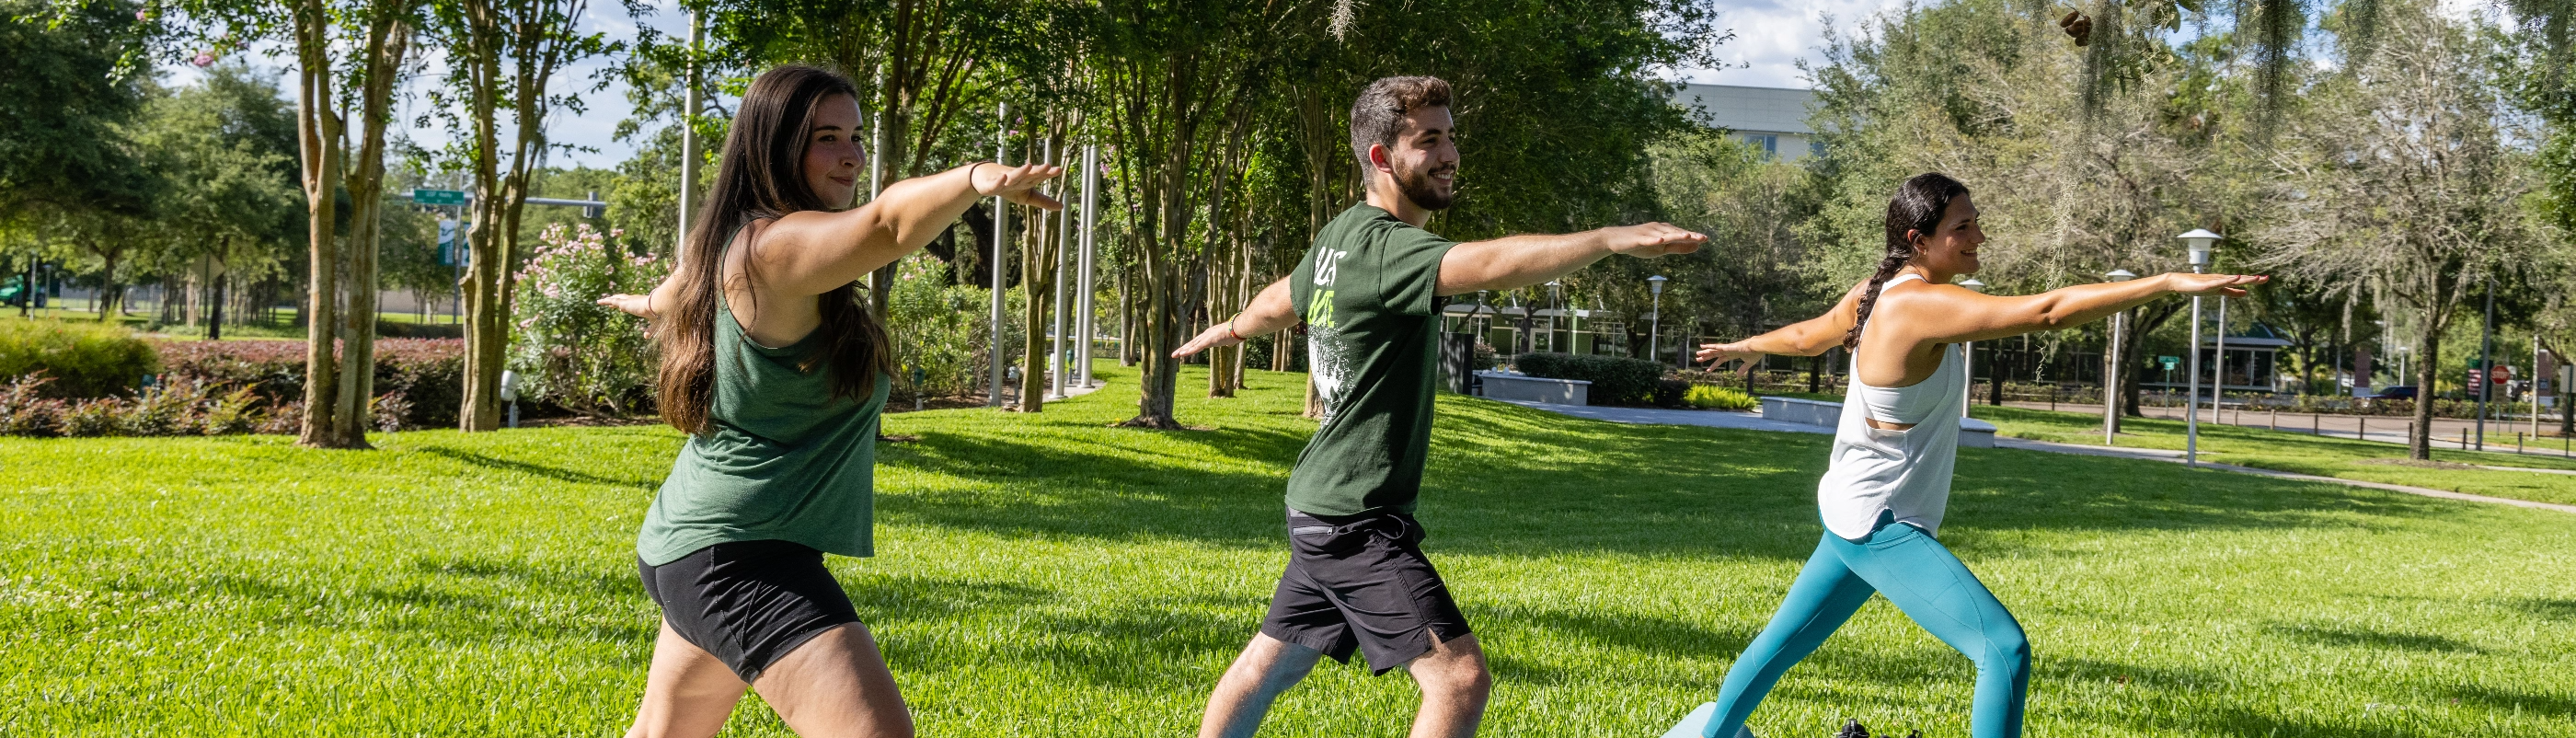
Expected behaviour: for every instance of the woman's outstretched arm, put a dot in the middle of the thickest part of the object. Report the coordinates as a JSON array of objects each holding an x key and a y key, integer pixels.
[
  {"x": 813, "y": 252},
  {"x": 1804, "y": 338},
  {"x": 1944, "y": 313}
]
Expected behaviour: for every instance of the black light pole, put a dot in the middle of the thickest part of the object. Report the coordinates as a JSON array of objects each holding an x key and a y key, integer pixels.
[{"x": 2486, "y": 363}]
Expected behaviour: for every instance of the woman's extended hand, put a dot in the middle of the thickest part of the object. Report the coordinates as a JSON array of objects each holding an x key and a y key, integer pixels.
[
  {"x": 2227, "y": 285},
  {"x": 640, "y": 306},
  {"x": 1717, "y": 354},
  {"x": 1016, "y": 184}
]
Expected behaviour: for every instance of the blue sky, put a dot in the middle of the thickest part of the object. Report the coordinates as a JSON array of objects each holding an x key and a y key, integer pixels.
[{"x": 1771, "y": 36}]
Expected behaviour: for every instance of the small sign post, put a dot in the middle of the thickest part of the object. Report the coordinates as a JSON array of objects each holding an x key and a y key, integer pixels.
[{"x": 438, "y": 197}]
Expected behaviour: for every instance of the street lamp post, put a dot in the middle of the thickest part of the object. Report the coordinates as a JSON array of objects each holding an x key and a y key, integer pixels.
[
  {"x": 2197, "y": 242},
  {"x": 1655, "y": 333},
  {"x": 2111, "y": 374},
  {"x": 1968, "y": 356}
]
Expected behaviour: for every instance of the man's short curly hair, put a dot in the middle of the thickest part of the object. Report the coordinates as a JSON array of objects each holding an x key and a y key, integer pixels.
[{"x": 1378, "y": 116}]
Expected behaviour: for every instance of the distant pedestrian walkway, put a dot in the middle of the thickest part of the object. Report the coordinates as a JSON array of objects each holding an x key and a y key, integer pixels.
[{"x": 1755, "y": 421}]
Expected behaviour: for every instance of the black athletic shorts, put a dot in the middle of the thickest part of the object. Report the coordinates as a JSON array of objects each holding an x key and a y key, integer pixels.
[
  {"x": 748, "y": 602},
  {"x": 1361, "y": 582}
]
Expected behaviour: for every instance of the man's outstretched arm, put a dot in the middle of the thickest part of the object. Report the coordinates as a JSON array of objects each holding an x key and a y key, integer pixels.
[
  {"x": 1270, "y": 312},
  {"x": 1521, "y": 261}
]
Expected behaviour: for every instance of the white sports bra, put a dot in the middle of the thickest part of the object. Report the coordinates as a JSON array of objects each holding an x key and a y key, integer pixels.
[{"x": 1903, "y": 473}]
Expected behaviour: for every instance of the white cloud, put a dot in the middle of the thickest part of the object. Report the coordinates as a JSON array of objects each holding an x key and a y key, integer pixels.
[{"x": 1772, "y": 35}]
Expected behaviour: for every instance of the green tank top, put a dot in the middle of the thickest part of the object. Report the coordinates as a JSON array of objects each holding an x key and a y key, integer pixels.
[{"x": 781, "y": 460}]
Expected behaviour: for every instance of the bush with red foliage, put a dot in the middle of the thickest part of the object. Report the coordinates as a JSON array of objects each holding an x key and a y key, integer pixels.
[{"x": 426, "y": 374}]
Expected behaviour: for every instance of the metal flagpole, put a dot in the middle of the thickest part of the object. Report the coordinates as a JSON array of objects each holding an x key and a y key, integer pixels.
[
  {"x": 2218, "y": 384},
  {"x": 689, "y": 134},
  {"x": 1001, "y": 238},
  {"x": 1090, "y": 260},
  {"x": 2191, "y": 401},
  {"x": 2111, "y": 382},
  {"x": 1063, "y": 236}
]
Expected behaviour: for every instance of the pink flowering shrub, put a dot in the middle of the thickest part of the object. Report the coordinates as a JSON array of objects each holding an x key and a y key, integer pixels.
[{"x": 570, "y": 351}]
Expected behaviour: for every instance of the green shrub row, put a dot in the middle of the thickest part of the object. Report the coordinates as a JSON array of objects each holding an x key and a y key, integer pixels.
[
  {"x": 80, "y": 360},
  {"x": 1616, "y": 380}
]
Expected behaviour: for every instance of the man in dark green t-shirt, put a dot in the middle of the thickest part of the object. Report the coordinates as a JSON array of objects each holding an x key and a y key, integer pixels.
[{"x": 1369, "y": 292}]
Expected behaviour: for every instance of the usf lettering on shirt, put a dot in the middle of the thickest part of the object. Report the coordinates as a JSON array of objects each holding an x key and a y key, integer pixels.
[{"x": 1368, "y": 287}]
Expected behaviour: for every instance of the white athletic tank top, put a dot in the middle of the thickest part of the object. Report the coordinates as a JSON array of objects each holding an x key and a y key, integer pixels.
[{"x": 1902, "y": 472}]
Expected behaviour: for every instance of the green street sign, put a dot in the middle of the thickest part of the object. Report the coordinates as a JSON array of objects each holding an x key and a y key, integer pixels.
[
  {"x": 438, "y": 197},
  {"x": 2169, "y": 361}
]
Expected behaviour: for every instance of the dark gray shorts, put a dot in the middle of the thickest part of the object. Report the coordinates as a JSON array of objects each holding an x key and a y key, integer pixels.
[
  {"x": 748, "y": 602},
  {"x": 1361, "y": 583}
]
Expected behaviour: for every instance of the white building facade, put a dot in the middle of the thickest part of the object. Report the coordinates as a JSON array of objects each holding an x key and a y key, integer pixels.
[{"x": 1772, "y": 118}]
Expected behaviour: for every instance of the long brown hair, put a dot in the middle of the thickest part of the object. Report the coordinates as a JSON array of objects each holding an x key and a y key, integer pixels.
[
  {"x": 761, "y": 175},
  {"x": 1916, "y": 208}
]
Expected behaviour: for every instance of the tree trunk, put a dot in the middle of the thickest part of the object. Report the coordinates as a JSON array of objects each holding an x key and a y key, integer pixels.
[
  {"x": 215, "y": 321},
  {"x": 2428, "y": 344},
  {"x": 319, "y": 132},
  {"x": 1037, "y": 280}
]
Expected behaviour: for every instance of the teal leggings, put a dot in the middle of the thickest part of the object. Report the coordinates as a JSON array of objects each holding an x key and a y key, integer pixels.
[{"x": 1922, "y": 579}]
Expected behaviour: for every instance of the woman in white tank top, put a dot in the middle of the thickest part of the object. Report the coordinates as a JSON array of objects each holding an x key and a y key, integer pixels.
[{"x": 1882, "y": 498}]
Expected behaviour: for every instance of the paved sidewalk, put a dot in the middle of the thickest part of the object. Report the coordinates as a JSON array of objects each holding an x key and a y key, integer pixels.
[
  {"x": 1755, "y": 421},
  {"x": 2503, "y": 436}
]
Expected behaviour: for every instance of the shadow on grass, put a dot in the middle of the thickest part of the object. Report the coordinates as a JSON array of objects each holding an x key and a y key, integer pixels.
[
  {"x": 2547, "y": 608},
  {"x": 513, "y": 465},
  {"x": 2327, "y": 635},
  {"x": 2515, "y": 701}
]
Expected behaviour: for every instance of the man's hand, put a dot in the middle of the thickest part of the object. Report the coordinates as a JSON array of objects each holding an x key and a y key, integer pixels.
[
  {"x": 640, "y": 306},
  {"x": 1016, "y": 184},
  {"x": 1717, "y": 354},
  {"x": 1650, "y": 240},
  {"x": 1221, "y": 334},
  {"x": 2213, "y": 285}
]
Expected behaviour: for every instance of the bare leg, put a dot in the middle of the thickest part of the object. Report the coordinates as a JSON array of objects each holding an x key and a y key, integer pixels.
[
  {"x": 1267, "y": 668},
  {"x": 1454, "y": 685},
  {"x": 688, "y": 693},
  {"x": 836, "y": 685}
]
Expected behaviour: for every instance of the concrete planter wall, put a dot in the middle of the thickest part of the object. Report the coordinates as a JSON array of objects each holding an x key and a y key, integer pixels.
[
  {"x": 1504, "y": 386},
  {"x": 1973, "y": 433}
]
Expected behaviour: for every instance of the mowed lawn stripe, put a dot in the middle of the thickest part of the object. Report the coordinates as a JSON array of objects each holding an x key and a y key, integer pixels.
[{"x": 1052, "y": 575}]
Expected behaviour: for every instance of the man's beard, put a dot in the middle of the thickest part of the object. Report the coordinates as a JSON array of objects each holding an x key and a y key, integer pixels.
[{"x": 1419, "y": 188}]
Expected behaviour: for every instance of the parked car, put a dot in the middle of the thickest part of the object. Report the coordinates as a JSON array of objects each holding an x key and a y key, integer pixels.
[{"x": 2402, "y": 392}]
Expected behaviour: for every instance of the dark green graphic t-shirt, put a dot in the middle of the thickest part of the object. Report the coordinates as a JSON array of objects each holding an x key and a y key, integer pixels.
[{"x": 1366, "y": 289}]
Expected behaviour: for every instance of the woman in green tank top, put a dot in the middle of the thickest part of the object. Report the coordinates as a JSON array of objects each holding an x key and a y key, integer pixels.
[{"x": 778, "y": 375}]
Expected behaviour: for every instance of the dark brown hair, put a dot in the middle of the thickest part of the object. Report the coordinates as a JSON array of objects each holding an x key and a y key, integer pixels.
[
  {"x": 761, "y": 175},
  {"x": 1378, "y": 116},
  {"x": 1916, "y": 209}
]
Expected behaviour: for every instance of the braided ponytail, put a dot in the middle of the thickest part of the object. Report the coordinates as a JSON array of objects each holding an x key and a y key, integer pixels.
[{"x": 1916, "y": 208}]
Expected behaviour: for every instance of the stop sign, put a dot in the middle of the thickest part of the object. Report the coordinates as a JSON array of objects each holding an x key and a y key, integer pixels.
[{"x": 2499, "y": 375}]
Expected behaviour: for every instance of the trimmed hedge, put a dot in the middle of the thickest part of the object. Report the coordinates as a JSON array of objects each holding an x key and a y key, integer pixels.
[
  {"x": 79, "y": 360},
  {"x": 1616, "y": 380},
  {"x": 421, "y": 380},
  {"x": 1713, "y": 397}
]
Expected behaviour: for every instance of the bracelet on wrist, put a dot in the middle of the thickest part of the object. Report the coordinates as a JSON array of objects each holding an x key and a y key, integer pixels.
[{"x": 1229, "y": 332}]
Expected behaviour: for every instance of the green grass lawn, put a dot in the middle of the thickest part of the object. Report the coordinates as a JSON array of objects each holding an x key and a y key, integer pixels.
[
  {"x": 2342, "y": 458},
  {"x": 1046, "y": 575}
]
